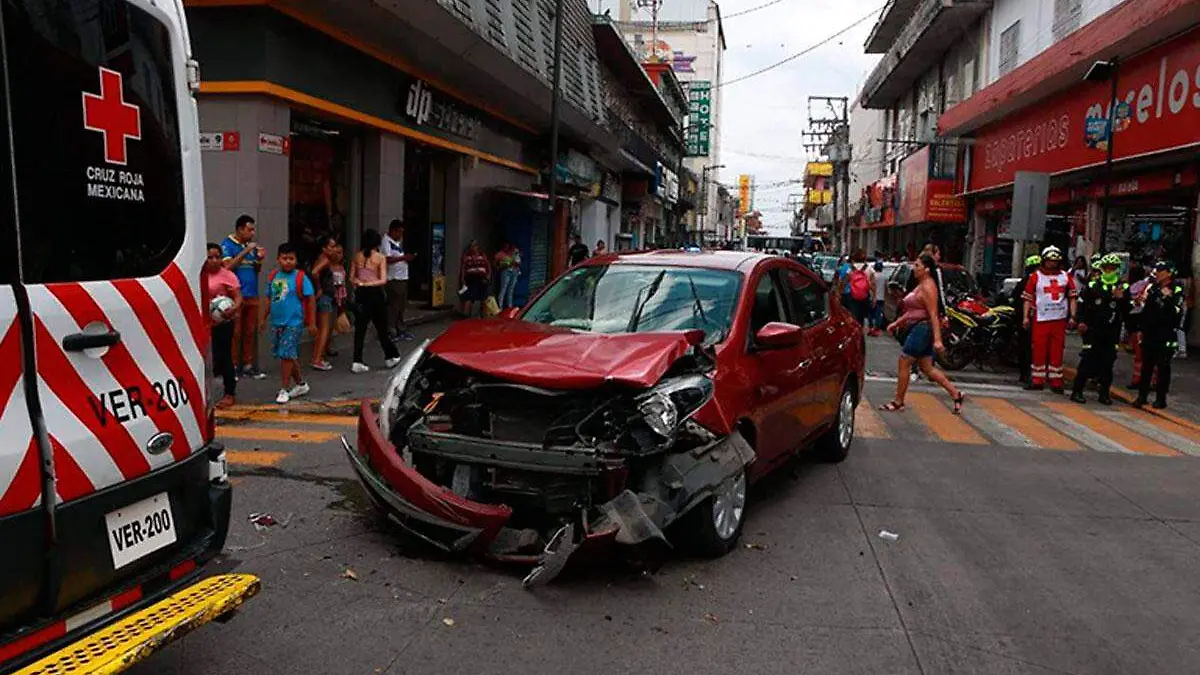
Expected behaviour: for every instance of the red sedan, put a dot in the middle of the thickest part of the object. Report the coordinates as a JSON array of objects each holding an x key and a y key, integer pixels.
[{"x": 637, "y": 395}]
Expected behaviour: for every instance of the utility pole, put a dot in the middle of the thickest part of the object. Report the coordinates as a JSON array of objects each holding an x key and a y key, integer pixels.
[
  {"x": 829, "y": 136},
  {"x": 554, "y": 115}
]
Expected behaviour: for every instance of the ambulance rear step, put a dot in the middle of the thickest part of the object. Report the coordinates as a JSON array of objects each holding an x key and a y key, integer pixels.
[{"x": 134, "y": 638}]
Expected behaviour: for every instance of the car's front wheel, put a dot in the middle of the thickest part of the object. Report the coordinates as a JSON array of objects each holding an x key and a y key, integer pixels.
[
  {"x": 835, "y": 444},
  {"x": 715, "y": 524}
]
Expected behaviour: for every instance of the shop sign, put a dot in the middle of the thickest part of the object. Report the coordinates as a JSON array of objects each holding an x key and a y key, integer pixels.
[
  {"x": 743, "y": 194},
  {"x": 274, "y": 144},
  {"x": 699, "y": 117},
  {"x": 220, "y": 141},
  {"x": 425, "y": 108},
  {"x": 926, "y": 200},
  {"x": 1158, "y": 109}
]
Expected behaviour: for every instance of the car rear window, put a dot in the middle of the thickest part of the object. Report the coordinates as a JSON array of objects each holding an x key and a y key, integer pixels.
[{"x": 99, "y": 173}]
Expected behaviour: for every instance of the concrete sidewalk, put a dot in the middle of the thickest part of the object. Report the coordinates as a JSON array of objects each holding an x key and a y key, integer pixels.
[{"x": 1183, "y": 399}]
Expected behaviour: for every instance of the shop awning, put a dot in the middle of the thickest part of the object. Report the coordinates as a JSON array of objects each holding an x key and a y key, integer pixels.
[{"x": 532, "y": 195}]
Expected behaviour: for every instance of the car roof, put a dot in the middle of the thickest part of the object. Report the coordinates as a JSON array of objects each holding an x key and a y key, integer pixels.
[{"x": 714, "y": 260}]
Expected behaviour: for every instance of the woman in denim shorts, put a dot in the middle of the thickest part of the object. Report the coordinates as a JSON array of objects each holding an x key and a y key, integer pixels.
[{"x": 920, "y": 318}]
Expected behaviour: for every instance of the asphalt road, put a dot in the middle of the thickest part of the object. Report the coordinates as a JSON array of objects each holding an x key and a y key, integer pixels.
[{"x": 1010, "y": 559}]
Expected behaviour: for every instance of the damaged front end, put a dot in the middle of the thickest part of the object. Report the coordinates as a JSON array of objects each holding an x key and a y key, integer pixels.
[{"x": 520, "y": 473}]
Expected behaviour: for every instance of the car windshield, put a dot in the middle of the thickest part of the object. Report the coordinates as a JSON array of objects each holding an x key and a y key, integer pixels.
[{"x": 641, "y": 299}]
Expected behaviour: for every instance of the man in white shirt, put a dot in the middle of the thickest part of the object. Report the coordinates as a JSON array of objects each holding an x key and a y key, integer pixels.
[{"x": 397, "y": 279}]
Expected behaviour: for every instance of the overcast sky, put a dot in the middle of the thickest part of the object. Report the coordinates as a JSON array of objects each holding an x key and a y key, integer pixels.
[{"x": 764, "y": 116}]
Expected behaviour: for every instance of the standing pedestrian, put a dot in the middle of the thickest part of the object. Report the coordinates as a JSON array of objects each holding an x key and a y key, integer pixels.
[
  {"x": 922, "y": 321},
  {"x": 244, "y": 257},
  {"x": 880, "y": 293},
  {"x": 578, "y": 252},
  {"x": 474, "y": 274},
  {"x": 1017, "y": 300},
  {"x": 1101, "y": 309},
  {"x": 323, "y": 272},
  {"x": 860, "y": 284},
  {"x": 1162, "y": 316},
  {"x": 1185, "y": 279},
  {"x": 508, "y": 264},
  {"x": 368, "y": 275},
  {"x": 290, "y": 309},
  {"x": 600, "y": 248},
  {"x": 397, "y": 279},
  {"x": 1140, "y": 279},
  {"x": 1080, "y": 272},
  {"x": 220, "y": 282},
  {"x": 1049, "y": 312}
]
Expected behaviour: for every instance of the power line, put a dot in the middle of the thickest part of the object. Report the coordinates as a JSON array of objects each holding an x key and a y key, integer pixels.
[
  {"x": 752, "y": 9},
  {"x": 804, "y": 51}
]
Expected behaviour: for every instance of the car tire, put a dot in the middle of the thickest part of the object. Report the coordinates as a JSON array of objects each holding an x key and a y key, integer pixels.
[
  {"x": 713, "y": 526},
  {"x": 834, "y": 445}
]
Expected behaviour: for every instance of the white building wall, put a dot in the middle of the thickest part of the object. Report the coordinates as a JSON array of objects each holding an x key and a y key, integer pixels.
[
  {"x": 866, "y": 159},
  {"x": 1037, "y": 27}
]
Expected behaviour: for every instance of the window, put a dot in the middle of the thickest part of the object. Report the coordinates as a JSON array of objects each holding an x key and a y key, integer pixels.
[
  {"x": 99, "y": 185},
  {"x": 810, "y": 302},
  {"x": 968, "y": 79},
  {"x": 768, "y": 304},
  {"x": 1067, "y": 15},
  {"x": 1010, "y": 47}
]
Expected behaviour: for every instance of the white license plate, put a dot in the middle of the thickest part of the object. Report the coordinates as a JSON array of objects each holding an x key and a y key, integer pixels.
[{"x": 140, "y": 529}]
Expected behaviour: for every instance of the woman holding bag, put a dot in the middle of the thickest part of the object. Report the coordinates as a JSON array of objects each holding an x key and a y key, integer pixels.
[{"x": 922, "y": 322}]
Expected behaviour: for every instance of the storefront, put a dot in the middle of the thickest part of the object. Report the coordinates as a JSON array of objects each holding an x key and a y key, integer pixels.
[
  {"x": 329, "y": 139},
  {"x": 877, "y": 220},
  {"x": 929, "y": 210},
  {"x": 1151, "y": 182}
]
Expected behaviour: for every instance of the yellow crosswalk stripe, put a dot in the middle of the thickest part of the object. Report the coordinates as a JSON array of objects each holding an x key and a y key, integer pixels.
[
  {"x": 275, "y": 434},
  {"x": 1035, "y": 430},
  {"x": 288, "y": 418},
  {"x": 868, "y": 423},
  {"x": 1109, "y": 429},
  {"x": 254, "y": 458},
  {"x": 938, "y": 419}
]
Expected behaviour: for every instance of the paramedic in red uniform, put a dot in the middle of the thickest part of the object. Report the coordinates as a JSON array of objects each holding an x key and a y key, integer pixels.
[{"x": 1049, "y": 310}]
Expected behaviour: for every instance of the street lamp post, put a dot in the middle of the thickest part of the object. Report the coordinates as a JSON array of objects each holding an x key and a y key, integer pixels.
[
  {"x": 554, "y": 113},
  {"x": 704, "y": 196},
  {"x": 1099, "y": 72}
]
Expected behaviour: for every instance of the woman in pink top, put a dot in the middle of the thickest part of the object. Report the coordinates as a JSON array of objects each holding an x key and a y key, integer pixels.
[
  {"x": 920, "y": 318},
  {"x": 220, "y": 282}
]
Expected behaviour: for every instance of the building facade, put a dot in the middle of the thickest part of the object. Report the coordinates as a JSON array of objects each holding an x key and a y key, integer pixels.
[
  {"x": 329, "y": 118},
  {"x": 690, "y": 38}
]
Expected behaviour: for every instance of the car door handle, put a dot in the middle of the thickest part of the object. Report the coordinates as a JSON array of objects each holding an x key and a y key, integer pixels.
[
  {"x": 804, "y": 364},
  {"x": 77, "y": 342}
]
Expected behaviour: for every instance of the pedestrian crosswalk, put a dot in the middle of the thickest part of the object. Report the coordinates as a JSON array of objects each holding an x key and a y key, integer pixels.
[
  {"x": 1046, "y": 422},
  {"x": 266, "y": 436}
]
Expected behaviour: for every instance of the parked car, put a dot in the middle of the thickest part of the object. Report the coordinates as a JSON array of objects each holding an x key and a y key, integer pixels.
[
  {"x": 827, "y": 264},
  {"x": 638, "y": 395},
  {"x": 957, "y": 285}
]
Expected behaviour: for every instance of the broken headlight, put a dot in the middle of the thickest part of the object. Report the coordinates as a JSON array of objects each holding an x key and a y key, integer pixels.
[
  {"x": 673, "y": 401},
  {"x": 393, "y": 394}
]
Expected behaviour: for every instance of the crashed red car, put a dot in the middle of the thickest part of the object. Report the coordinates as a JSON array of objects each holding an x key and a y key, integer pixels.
[{"x": 637, "y": 394}]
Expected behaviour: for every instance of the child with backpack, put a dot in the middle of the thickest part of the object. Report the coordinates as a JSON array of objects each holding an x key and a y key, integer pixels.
[
  {"x": 290, "y": 309},
  {"x": 860, "y": 287}
]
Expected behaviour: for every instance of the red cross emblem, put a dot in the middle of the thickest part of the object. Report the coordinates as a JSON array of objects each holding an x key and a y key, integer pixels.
[
  {"x": 1054, "y": 290},
  {"x": 108, "y": 113}
]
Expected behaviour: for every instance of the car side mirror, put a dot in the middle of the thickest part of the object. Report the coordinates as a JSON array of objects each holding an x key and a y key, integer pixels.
[
  {"x": 778, "y": 335},
  {"x": 509, "y": 313}
]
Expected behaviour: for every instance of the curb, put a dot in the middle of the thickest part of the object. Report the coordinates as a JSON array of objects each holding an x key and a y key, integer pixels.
[{"x": 1122, "y": 395}]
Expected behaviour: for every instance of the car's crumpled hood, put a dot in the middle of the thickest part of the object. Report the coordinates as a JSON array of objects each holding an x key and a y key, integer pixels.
[{"x": 559, "y": 358}]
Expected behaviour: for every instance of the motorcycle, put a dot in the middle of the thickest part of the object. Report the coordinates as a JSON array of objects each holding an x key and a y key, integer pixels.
[{"x": 976, "y": 333}]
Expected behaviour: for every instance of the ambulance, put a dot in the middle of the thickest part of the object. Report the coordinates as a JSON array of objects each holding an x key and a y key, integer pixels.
[{"x": 114, "y": 499}]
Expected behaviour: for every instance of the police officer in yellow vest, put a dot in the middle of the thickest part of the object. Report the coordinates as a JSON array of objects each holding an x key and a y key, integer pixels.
[
  {"x": 1162, "y": 315},
  {"x": 1102, "y": 306}
]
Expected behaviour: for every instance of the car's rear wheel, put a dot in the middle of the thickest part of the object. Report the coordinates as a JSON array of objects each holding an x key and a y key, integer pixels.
[
  {"x": 835, "y": 444},
  {"x": 715, "y": 524}
]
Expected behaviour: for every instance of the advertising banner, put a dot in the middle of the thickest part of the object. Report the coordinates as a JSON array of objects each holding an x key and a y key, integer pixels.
[
  {"x": 743, "y": 194},
  {"x": 699, "y": 117},
  {"x": 1158, "y": 109}
]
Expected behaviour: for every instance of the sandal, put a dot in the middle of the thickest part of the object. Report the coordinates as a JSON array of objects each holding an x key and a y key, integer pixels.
[
  {"x": 892, "y": 406},
  {"x": 958, "y": 403}
]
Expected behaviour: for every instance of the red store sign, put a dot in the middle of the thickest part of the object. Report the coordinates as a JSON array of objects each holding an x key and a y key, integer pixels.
[
  {"x": 1161, "y": 88},
  {"x": 924, "y": 199}
]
